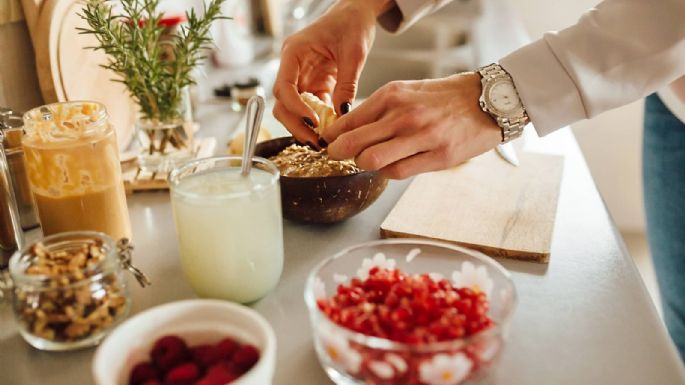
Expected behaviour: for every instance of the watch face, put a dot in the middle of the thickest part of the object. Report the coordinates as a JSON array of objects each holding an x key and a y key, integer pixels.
[{"x": 503, "y": 97}]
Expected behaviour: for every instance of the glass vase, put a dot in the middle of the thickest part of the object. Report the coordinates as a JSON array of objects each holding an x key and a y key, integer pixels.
[{"x": 165, "y": 144}]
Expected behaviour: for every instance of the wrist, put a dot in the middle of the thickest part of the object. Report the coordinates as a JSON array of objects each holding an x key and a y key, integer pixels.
[
  {"x": 377, "y": 7},
  {"x": 468, "y": 87}
]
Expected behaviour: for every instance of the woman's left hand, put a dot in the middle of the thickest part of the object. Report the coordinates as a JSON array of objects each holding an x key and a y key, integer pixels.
[{"x": 410, "y": 127}]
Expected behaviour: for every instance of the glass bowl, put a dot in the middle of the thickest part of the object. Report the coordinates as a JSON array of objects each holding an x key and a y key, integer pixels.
[{"x": 353, "y": 358}]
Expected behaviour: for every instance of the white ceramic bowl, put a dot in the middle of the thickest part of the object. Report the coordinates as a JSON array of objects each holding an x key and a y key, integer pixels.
[{"x": 197, "y": 321}]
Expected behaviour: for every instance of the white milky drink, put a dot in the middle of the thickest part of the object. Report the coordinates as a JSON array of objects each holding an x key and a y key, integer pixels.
[{"x": 230, "y": 228}]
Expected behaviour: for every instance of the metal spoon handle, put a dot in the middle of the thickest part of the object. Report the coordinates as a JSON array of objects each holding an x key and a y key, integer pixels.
[{"x": 255, "y": 112}]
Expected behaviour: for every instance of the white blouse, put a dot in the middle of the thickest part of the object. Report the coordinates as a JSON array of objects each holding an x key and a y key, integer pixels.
[
  {"x": 618, "y": 52},
  {"x": 673, "y": 101}
]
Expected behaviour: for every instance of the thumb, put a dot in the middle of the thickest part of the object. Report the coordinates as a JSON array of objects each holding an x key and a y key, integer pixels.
[{"x": 350, "y": 64}]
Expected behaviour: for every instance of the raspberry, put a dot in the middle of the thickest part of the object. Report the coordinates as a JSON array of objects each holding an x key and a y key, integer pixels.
[
  {"x": 178, "y": 364},
  {"x": 205, "y": 355},
  {"x": 218, "y": 374},
  {"x": 142, "y": 373},
  {"x": 168, "y": 352},
  {"x": 227, "y": 347},
  {"x": 183, "y": 374},
  {"x": 245, "y": 358}
]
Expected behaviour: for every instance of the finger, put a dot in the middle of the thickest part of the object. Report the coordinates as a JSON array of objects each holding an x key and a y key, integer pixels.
[
  {"x": 350, "y": 64},
  {"x": 294, "y": 124},
  {"x": 286, "y": 92},
  {"x": 414, "y": 165},
  {"x": 324, "y": 96},
  {"x": 386, "y": 153},
  {"x": 368, "y": 112},
  {"x": 352, "y": 143}
]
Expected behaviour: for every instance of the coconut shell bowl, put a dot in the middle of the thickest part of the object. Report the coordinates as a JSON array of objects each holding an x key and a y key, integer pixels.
[{"x": 327, "y": 199}]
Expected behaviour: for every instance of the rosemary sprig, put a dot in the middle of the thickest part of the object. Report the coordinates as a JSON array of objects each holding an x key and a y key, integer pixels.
[{"x": 137, "y": 51}]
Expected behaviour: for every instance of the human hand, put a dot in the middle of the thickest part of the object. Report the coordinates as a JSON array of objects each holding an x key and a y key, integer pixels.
[
  {"x": 406, "y": 128},
  {"x": 325, "y": 59}
]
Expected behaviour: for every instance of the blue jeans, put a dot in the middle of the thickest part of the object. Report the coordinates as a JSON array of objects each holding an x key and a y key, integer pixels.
[{"x": 663, "y": 172}]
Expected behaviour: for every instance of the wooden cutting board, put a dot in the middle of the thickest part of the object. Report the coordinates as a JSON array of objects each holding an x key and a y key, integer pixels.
[
  {"x": 485, "y": 204},
  {"x": 67, "y": 70},
  {"x": 31, "y": 9}
]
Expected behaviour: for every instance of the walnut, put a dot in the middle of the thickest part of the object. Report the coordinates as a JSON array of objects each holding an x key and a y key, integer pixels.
[
  {"x": 76, "y": 330},
  {"x": 70, "y": 307}
]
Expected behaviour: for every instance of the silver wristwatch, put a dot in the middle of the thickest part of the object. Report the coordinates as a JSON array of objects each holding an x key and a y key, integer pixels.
[{"x": 500, "y": 99}]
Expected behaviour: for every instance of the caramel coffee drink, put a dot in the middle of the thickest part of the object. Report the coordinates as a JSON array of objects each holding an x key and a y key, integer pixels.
[{"x": 73, "y": 167}]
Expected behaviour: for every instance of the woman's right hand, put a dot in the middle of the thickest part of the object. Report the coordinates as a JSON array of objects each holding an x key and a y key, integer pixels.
[{"x": 325, "y": 59}]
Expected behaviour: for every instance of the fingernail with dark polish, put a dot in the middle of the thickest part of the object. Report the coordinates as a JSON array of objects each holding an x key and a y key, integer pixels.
[
  {"x": 308, "y": 122},
  {"x": 345, "y": 107},
  {"x": 323, "y": 143}
]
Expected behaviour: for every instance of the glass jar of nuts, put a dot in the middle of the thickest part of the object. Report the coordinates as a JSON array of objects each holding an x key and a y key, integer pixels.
[{"x": 70, "y": 290}]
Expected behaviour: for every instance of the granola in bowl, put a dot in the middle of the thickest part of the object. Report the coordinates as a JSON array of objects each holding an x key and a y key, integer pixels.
[{"x": 305, "y": 162}]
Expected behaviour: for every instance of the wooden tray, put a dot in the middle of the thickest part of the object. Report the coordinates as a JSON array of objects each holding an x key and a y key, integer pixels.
[{"x": 136, "y": 180}]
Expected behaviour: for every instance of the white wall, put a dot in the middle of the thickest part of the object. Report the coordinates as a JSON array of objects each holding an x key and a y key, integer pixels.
[{"x": 612, "y": 141}]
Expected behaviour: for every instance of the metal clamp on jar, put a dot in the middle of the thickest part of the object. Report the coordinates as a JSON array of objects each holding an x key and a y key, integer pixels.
[
  {"x": 12, "y": 181},
  {"x": 12, "y": 123}
]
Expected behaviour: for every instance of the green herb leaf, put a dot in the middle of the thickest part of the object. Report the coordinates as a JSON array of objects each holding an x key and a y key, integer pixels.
[{"x": 153, "y": 67}]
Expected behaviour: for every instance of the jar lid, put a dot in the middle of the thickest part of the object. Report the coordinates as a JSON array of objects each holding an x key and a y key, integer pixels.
[
  {"x": 65, "y": 122},
  {"x": 249, "y": 83}
]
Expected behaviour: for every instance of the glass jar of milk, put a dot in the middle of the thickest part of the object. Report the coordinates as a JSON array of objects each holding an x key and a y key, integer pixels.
[{"x": 230, "y": 228}]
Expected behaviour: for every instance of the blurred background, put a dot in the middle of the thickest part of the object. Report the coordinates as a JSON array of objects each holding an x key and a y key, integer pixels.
[{"x": 462, "y": 36}]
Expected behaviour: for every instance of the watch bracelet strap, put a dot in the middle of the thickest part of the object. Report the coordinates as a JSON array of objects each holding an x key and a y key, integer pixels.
[
  {"x": 492, "y": 71},
  {"x": 511, "y": 128}
]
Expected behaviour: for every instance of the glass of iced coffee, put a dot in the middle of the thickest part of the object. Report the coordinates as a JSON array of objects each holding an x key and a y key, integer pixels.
[{"x": 72, "y": 162}]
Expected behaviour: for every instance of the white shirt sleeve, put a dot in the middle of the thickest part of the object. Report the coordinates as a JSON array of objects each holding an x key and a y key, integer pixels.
[
  {"x": 407, "y": 12},
  {"x": 618, "y": 52}
]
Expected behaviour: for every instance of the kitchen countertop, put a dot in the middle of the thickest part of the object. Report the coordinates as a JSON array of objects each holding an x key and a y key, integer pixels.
[{"x": 585, "y": 318}]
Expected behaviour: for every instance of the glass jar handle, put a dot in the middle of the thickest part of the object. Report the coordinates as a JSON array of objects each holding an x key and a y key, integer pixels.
[
  {"x": 10, "y": 198},
  {"x": 125, "y": 258}
]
